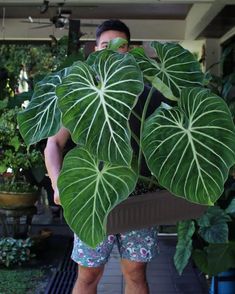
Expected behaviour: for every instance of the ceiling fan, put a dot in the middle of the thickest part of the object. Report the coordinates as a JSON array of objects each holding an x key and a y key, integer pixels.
[{"x": 59, "y": 20}]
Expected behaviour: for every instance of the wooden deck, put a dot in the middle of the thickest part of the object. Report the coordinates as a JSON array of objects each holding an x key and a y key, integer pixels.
[
  {"x": 161, "y": 273},
  {"x": 162, "y": 276}
]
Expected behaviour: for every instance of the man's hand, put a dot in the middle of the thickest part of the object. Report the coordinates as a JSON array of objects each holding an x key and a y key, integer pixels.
[
  {"x": 56, "y": 196},
  {"x": 53, "y": 158}
]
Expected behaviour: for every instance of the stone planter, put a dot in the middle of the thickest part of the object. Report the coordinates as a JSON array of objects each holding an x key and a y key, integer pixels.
[
  {"x": 15, "y": 200},
  {"x": 156, "y": 208},
  {"x": 12, "y": 207}
]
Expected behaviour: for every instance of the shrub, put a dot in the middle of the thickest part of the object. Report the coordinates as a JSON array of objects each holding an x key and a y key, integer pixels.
[{"x": 15, "y": 251}]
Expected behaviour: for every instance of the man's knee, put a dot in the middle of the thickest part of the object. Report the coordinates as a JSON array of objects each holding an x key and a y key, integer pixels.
[
  {"x": 90, "y": 275},
  {"x": 134, "y": 272}
]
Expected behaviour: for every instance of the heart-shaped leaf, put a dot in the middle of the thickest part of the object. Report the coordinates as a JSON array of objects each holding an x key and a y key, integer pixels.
[
  {"x": 231, "y": 208},
  {"x": 96, "y": 103},
  {"x": 175, "y": 68},
  {"x": 213, "y": 225},
  {"x": 190, "y": 148},
  {"x": 200, "y": 257},
  {"x": 89, "y": 189},
  {"x": 42, "y": 118},
  {"x": 116, "y": 43},
  {"x": 184, "y": 246},
  {"x": 215, "y": 258}
]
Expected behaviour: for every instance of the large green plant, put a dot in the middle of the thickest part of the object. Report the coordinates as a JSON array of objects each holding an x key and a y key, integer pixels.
[
  {"x": 189, "y": 148},
  {"x": 40, "y": 59},
  {"x": 21, "y": 167},
  {"x": 210, "y": 240}
]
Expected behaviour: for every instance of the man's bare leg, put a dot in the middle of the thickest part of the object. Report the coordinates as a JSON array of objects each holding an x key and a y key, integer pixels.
[
  {"x": 87, "y": 280},
  {"x": 135, "y": 277}
]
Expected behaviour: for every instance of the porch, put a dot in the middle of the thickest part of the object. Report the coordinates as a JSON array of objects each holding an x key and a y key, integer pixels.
[{"x": 162, "y": 275}]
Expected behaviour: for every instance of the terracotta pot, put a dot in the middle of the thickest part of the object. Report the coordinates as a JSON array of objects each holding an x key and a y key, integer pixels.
[
  {"x": 156, "y": 208},
  {"x": 16, "y": 200}
]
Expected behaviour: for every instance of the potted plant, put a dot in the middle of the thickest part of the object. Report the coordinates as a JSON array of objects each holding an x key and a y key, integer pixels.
[
  {"x": 20, "y": 166},
  {"x": 188, "y": 148},
  {"x": 210, "y": 242},
  {"x": 210, "y": 239},
  {"x": 25, "y": 164}
]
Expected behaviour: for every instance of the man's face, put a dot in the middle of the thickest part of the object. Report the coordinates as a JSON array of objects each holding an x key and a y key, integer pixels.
[{"x": 108, "y": 36}]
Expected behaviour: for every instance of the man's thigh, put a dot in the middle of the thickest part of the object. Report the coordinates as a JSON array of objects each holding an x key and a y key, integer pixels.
[
  {"x": 138, "y": 245},
  {"x": 92, "y": 257}
]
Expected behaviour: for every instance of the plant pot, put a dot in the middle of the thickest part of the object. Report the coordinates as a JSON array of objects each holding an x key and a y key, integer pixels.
[
  {"x": 223, "y": 283},
  {"x": 16, "y": 200},
  {"x": 155, "y": 208}
]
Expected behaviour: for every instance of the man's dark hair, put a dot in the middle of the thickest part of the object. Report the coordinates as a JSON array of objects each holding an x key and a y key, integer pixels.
[{"x": 114, "y": 25}]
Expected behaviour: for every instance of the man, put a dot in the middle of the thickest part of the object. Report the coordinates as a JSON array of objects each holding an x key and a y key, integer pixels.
[
  {"x": 23, "y": 80},
  {"x": 136, "y": 247}
]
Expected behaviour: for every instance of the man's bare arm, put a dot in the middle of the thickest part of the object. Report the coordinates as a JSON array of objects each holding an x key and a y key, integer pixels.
[{"x": 54, "y": 157}]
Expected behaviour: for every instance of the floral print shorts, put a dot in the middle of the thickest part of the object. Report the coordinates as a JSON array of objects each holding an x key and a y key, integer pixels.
[{"x": 138, "y": 245}]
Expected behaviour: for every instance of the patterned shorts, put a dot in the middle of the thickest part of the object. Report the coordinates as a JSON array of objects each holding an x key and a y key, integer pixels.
[{"x": 138, "y": 245}]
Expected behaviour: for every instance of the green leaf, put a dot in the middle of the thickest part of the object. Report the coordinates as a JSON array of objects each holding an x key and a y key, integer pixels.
[
  {"x": 163, "y": 88},
  {"x": 116, "y": 43},
  {"x": 216, "y": 258},
  {"x": 185, "y": 230},
  {"x": 92, "y": 57},
  {"x": 231, "y": 208},
  {"x": 183, "y": 252},
  {"x": 3, "y": 168},
  {"x": 213, "y": 225},
  {"x": 190, "y": 148},
  {"x": 200, "y": 257},
  {"x": 96, "y": 103},
  {"x": 217, "y": 233},
  {"x": 89, "y": 189},
  {"x": 15, "y": 142},
  {"x": 182, "y": 255},
  {"x": 42, "y": 118},
  {"x": 175, "y": 67},
  {"x": 3, "y": 103}
]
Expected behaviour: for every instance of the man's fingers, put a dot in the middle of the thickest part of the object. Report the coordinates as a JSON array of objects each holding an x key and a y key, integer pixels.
[{"x": 57, "y": 197}]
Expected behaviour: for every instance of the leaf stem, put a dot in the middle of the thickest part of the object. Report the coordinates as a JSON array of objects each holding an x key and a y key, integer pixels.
[
  {"x": 142, "y": 124},
  {"x": 136, "y": 115},
  {"x": 135, "y": 138}
]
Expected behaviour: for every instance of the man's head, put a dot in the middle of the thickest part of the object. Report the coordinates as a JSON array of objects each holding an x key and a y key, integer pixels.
[{"x": 111, "y": 29}]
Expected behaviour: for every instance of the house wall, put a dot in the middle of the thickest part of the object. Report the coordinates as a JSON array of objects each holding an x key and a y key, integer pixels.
[
  {"x": 212, "y": 55},
  {"x": 163, "y": 30},
  {"x": 140, "y": 30}
]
